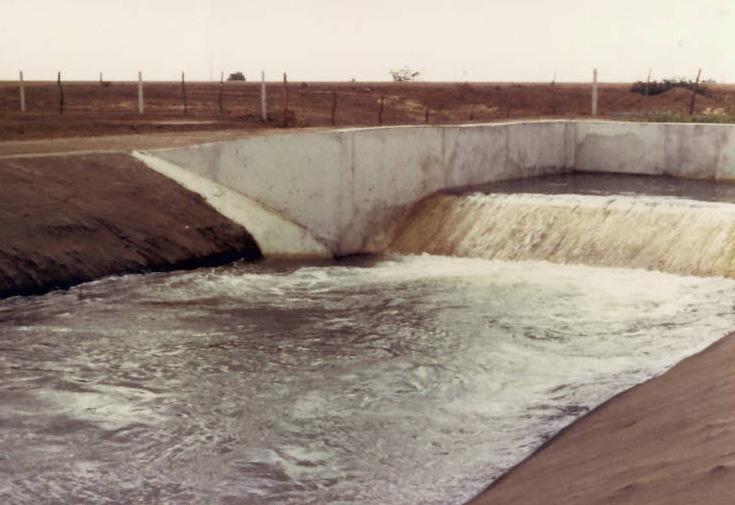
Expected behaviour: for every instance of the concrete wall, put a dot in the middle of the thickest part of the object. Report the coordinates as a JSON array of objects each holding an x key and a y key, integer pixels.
[
  {"x": 274, "y": 234},
  {"x": 345, "y": 187},
  {"x": 695, "y": 151}
]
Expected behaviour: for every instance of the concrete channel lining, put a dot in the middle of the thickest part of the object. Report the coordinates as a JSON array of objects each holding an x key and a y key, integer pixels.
[
  {"x": 693, "y": 151},
  {"x": 344, "y": 188}
]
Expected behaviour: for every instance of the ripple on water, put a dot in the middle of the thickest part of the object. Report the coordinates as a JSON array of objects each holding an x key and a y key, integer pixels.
[{"x": 403, "y": 380}]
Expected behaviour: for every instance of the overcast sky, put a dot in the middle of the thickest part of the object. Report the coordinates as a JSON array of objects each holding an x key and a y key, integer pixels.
[{"x": 487, "y": 40}]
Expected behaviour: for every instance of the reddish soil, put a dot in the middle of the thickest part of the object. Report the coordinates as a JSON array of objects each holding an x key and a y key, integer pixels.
[
  {"x": 92, "y": 109},
  {"x": 71, "y": 219},
  {"x": 669, "y": 441}
]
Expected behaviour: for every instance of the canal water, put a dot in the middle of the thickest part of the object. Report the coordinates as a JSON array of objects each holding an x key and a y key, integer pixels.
[
  {"x": 410, "y": 379},
  {"x": 654, "y": 223}
]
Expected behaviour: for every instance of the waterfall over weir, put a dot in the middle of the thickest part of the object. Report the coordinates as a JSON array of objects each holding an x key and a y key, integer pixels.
[{"x": 656, "y": 233}]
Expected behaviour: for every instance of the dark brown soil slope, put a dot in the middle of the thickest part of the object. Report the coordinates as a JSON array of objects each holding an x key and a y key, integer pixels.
[
  {"x": 669, "y": 441},
  {"x": 70, "y": 219}
]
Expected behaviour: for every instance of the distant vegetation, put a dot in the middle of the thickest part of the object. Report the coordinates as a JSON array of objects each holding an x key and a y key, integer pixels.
[
  {"x": 658, "y": 87},
  {"x": 236, "y": 76},
  {"x": 404, "y": 74}
]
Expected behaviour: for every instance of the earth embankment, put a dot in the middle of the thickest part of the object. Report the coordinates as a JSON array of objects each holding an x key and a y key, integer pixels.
[{"x": 75, "y": 218}]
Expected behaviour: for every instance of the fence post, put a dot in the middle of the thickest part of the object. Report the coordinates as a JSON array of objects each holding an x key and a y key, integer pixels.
[
  {"x": 100, "y": 78},
  {"x": 426, "y": 116},
  {"x": 221, "y": 90},
  {"x": 22, "y": 93},
  {"x": 508, "y": 101},
  {"x": 694, "y": 92},
  {"x": 141, "y": 104},
  {"x": 594, "y": 92},
  {"x": 183, "y": 94},
  {"x": 263, "y": 104},
  {"x": 61, "y": 93},
  {"x": 334, "y": 107},
  {"x": 648, "y": 83},
  {"x": 380, "y": 111},
  {"x": 285, "y": 100}
]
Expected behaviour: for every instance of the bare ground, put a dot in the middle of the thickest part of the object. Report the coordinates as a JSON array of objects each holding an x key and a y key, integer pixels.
[
  {"x": 70, "y": 219},
  {"x": 92, "y": 110}
]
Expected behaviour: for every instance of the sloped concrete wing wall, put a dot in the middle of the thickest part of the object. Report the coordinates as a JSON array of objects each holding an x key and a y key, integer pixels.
[{"x": 346, "y": 186}]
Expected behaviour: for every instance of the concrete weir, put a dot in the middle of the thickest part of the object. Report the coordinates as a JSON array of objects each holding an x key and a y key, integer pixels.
[{"x": 338, "y": 192}]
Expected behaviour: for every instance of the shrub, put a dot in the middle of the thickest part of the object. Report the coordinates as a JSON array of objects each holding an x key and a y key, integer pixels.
[
  {"x": 404, "y": 74},
  {"x": 236, "y": 76},
  {"x": 658, "y": 87}
]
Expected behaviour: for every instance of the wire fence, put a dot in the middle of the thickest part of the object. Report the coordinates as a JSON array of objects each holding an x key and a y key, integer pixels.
[{"x": 327, "y": 104}]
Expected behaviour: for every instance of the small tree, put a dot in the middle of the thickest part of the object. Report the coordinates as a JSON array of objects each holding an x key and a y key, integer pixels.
[
  {"x": 236, "y": 76},
  {"x": 404, "y": 74}
]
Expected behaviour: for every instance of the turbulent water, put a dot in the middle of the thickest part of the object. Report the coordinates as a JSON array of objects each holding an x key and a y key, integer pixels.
[
  {"x": 676, "y": 235},
  {"x": 413, "y": 380}
]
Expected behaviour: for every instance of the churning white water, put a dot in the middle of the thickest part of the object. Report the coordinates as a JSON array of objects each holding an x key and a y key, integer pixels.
[
  {"x": 406, "y": 380},
  {"x": 658, "y": 233}
]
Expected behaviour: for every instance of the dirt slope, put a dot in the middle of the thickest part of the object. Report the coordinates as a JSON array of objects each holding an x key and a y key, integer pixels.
[
  {"x": 70, "y": 219},
  {"x": 669, "y": 441}
]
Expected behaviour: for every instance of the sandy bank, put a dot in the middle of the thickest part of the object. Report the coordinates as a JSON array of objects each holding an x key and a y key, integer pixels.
[
  {"x": 668, "y": 441},
  {"x": 71, "y": 219}
]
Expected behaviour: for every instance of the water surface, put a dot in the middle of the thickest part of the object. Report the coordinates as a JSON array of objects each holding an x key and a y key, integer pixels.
[
  {"x": 607, "y": 184},
  {"x": 401, "y": 380}
]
